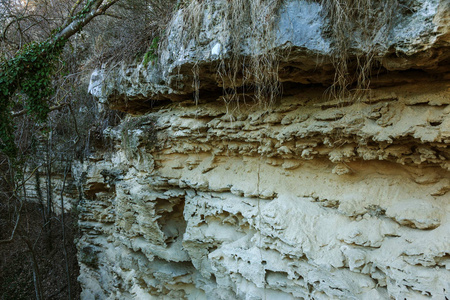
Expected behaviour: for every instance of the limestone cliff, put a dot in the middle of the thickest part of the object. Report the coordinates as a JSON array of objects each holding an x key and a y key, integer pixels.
[{"x": 310, "y": 198}]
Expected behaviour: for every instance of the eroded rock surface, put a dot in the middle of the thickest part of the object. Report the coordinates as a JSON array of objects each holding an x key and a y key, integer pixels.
[
  {"x": 418, "y": 39},
  {"x": 311, "y": 198},
  {"x": 307, "y": 200}
]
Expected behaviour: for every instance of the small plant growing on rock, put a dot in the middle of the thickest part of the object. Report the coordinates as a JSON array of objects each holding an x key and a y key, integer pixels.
[{"x": 152, "y": 54}]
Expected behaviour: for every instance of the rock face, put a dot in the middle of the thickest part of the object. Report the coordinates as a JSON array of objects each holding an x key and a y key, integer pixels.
[
  {"x": 419, "y": 39},
  {"x": 309, "y": 199}
]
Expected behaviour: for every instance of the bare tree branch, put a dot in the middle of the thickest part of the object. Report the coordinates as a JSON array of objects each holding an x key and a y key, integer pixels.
[
  {"x": 98, "y": 7},
  {"x": 20, "y": 208},
  {"x": 11, "y": 238},
  {"x": 23, "y": 112}
]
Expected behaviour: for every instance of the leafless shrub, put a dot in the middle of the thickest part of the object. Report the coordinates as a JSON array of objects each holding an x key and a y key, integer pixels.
[
  {"x": 23, "y": 22},
  {"x": 129, "y": 29}
]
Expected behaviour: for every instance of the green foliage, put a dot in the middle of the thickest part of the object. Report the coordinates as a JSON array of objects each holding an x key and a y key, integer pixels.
[
  {"x": 86, "y": 9},
  {"x": 29, "y": 73},
  {"x": 152, "y": 54}
]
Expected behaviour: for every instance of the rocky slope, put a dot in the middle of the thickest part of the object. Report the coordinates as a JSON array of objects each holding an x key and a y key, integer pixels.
[{"x": 311, "y": 198}]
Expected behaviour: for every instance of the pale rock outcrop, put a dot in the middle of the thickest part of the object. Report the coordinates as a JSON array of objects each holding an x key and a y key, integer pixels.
[
  {"x": 309, "y": 199},
  {"x": 253, "y": 206},
  {"x": 418, "y": 39}
]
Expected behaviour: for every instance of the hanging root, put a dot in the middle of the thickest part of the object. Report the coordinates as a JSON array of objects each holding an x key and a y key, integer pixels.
[
  {"x": 247, "y": 23},
  {"x": 363, "y": 23},
  {"x": 358, "y": 28}
]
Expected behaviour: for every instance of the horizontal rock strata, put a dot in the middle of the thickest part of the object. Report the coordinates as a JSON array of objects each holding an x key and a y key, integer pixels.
[
  {"x": 311, "y": 199},
  {"x": 201, "y": 197}
]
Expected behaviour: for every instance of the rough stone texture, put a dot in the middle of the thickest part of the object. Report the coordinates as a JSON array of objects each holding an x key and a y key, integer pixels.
[
  {"x": 419, "y": 39},
  {"x": 70, "y": 193},
  {"x": 311, "y": 199},
  {"x": 36, "y": 183},
  {"x": 307, "y": 200}
]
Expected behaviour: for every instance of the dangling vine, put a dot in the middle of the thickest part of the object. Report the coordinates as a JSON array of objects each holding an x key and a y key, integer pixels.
[{"x": 29, "y": 73}]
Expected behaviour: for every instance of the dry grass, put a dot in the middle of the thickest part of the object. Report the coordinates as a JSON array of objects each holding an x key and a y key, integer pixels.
[
  {"x": 358, "y": 28},
  {"x": 265, "y": 66},
  {"x": 259, "y": 71}
]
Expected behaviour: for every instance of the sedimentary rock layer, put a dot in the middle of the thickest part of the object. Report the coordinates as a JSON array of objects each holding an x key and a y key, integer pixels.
[
  {"x": 200, "y": 197},
  {"x": 310, "y": 199}
]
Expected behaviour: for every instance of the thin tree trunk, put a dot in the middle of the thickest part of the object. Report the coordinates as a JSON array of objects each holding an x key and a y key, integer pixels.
[
  {"x": 64, "y": 232},
  {"x": 37, "y": 179},
  {"x": 36, "y": 273},
  {"x": 48, "y": 232},
  {"x": 49, "y": 177},
  {"x": 35, "y": 266}
]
